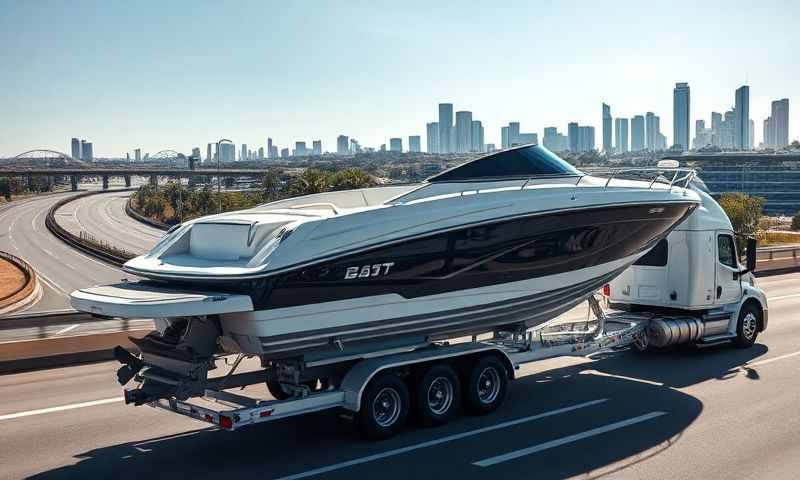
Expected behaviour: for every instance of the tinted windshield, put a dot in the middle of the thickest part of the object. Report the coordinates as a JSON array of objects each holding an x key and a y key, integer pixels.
[{"x": 530, "y": 161}]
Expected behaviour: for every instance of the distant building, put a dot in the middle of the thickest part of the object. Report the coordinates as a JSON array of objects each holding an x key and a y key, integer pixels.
[
  {"x": 638, "y": 134},
  {"x": 573, "y": 134},
  {"x": 702, "y": 136},
  {"x": 243, "y": 157},
  {"x": 621, "y": 134},
  {"x": 137, "y": 154},
  {"x": 477, "y": 136},
  {"x": 226, "y": 152},
  {"x": 513, "y": 134},
  {"x": 490, "y": 147},
  {"x": 316, "y": 147},
  {"x": 463, "y": 131},
  {"x": 607, "y": 122},
  {"x": 680, "y": 115},
  {"x": 261, "y": 153},
  {"x": 87, "y": 153},
  {"x": 504, "y": 143},
  {"x": 554, "y": 141},
  {"x": 432, "y": 134},
  {"x": 76, "y": 149},
  {"x": 651, "y": 131},
  {"x": 342, "y": 142},
  {"x": 445, "y": 127},
  {"x": 396, "y": 144},
  {"x": 354, "y": 146},
  {"x": 414, "y": 144},
  {"x": 270, "y": 152},
  {"x": 586, "y": 139},
  {"x": 776, "y": 126},
  {"x": 741, "y": 133},
  {"x": 716, "y": 127},
  {"x": 208, "y": 153},
  {"x": 284, "y": 153},
  {"x": 300, "y": 149},
  {"x": 528, "y": 138}
]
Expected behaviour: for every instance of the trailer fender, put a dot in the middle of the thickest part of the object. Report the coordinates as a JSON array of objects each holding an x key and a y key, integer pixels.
[{"x": 355, "y": 381}]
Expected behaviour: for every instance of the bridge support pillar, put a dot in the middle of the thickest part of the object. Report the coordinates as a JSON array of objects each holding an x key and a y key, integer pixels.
[
  {"x": 30, "y": 182},
  {"x": 74, "y": 180},
  {"x": 127, "y": 181},
  {"x": 105, "y": 182}
]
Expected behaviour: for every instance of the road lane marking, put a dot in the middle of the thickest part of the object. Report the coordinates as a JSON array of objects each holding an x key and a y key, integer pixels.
[
  {"x": 768, "y": 360},
  {"x": 67, "y": 329},
  {"x": 781, "y": 297},
  {"x": 11, "y": 416},
  {"x": 621, "y": 377},
  {"x": 488, "y": 462},
  {"x": 53, "y": 285},
  {"x": 438, "y": 441}
]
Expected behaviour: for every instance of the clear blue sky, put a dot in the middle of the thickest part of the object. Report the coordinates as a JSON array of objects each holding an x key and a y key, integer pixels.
[{"x": 178, "y": 74}]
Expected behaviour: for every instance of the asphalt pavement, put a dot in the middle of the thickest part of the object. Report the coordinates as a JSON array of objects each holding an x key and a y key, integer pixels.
[{"x": 716, "y": 412}]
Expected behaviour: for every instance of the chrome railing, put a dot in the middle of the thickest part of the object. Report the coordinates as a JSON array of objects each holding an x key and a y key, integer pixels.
[{"x": 654, "y": 175}]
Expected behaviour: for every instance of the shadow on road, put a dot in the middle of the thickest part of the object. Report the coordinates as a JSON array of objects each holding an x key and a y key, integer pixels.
[{"x": 633, "y": 384}]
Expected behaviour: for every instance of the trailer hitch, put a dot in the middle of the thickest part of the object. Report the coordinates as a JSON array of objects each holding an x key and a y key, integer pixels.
[{"x": 131, "y": 364}]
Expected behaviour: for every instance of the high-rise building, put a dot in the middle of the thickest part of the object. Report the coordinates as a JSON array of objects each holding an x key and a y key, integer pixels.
[
  {"x": 607, "y": 144},
  {"x": 585, "y": 139},
  {"x": 261, "y": 153},
  {"x": 528, "y": 138},
  {"x": 477, "y": 136},
  {"x": 243, "y": 153},
  {"x": 226, "y": 152},
  {"x": 354, "y": 146},
  {"x": 432, "y": 134},
  {"x": 555, "y": 141},
  {"x": 680, "y": 116},
  {"x": 574, "y": 137},
  {"x": 463, "y": 131},
  {"x": 445, "y": 127},
  {"x": 284, "y": 153},
  {"x": 137, "y": 154},
  {"x": 269, "y": 149},
  {"x": 414, "y": 144},
  {"x": 741, "y": 132},
  {"x": 300, "y": 149},
  {"x": 504, "y": 143},
  {"x": 780, "y": 123},
  {"x": 342, "y": 143},
  {"x": 621, "y": 134},
  {"x": 316, "y": 147},
  {"x": 208, "y": 154},
  {"x": 76, "y": 148},
  {"x": 395, "y": 144},
  {"x": 87, "y": 153},
  {"x": 716, "y": 128},
  {"x": 751, "y": 134},
  {"x": 638, "y": 134},
  {"x": 513, "y": 134},
  {"x": 651, "y": 131}
]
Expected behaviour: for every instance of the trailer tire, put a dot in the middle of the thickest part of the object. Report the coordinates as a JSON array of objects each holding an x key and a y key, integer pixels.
[
  {"x": 747, "y": 326},
  {"x": 437, "y": 395},
  {"x": 384, "y": 407},
  {"x": 276, "y": 390},
  {"x": 486, "y": 385}
]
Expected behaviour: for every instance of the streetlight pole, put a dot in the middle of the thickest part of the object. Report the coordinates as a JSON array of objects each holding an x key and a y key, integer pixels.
[{"x": 219, "y": 179}]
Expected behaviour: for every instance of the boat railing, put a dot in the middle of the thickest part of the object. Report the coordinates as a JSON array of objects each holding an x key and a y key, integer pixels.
[{"x": 679, "y": 176}]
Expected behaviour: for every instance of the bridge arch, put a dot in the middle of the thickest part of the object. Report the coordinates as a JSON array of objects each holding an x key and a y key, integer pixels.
[{"x": 47, "y": 156}]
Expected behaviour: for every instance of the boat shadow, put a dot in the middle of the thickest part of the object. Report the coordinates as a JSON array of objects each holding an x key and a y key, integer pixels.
[{"x": 630, "y": 384}]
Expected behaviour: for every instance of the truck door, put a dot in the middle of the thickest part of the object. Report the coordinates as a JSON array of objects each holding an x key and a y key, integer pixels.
[{"x": 728, "y": 288}]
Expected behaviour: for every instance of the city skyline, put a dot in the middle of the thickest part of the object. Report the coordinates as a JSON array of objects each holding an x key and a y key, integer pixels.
[{"x": 117, "y": 100}]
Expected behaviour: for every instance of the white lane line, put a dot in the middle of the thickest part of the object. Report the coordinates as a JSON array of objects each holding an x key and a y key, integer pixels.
[
  {"x": 67, "y": 329},
  {"x": 768, "y": 360},
  {"x": 11, "y": 416},
  {"x": 47, "y": 281},
  {"x": 438, "y": 441},
  {"x": 781, "y": 297},
  {"x": 488, "y": 462}
]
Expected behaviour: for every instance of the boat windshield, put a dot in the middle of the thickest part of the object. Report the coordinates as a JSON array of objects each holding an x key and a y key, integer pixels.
[{"x": 523, "y": 162}]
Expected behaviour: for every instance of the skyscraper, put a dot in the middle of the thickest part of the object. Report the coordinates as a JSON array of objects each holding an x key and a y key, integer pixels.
[
  {"x": 607, "y": 144},
  {"x": 269, "y": 149},
  {"x": 621, "y": 134},
  {"x": 716, "y": 129},
  {"x": 137, "y": 154},
  {"x": 504, "y": 143},
  {"x": 76, "y": 149},
  {"x": 243, "y": 153},
  {"x": 445, "y": 127},
  {"x": 650, "y": 131},
  {"x": 555, "y": 141},
  {"x": 574, "y": 136},
  {"x": 316, "y": 147},
  {"x": 342, "y": 143},
  {"x": 780, "y": 122},
  {"x": 300, "y": 149},
  {"x": 513, "y": 134},
  {"x": 741, "y": 125},
  {"x": 585, "y": 139},
  {"x": 87, "y": 155},
  {"x": 414, "y": 144},
  {"x": 261, "y": 153},
  {"x": 208, "y": 153},
  {"x": 680, "y": 116},
  {"x": 637, "y": 133},
  {"x": 432, "y": 131},
  {"x": 463, "y": 131},
  {"x": 395, "y": 144},
  {"x": 477, "y": 136}
]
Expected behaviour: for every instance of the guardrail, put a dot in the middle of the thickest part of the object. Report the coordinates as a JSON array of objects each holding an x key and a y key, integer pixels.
[
  {"x": 27, "y": 270},
  {"x": 778, "y": 258},
  {"x": 100, "y": 250}
]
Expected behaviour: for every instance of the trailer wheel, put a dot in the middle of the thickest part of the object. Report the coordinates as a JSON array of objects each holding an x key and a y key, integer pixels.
[
  {"x": 384, "y": 407},
  {"x": 486, "y": 386},
  {"x": 277, "y": 391},
  {"x": 747, "y": 327},
  {"x": 437, "y": 395}
]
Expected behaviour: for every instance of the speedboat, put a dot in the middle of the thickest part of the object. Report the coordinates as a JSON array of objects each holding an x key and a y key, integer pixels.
[{"x": 509, "y": 240}]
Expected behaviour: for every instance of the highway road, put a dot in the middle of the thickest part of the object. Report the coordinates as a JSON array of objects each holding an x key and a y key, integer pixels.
[{"x": 687, "y": 413}]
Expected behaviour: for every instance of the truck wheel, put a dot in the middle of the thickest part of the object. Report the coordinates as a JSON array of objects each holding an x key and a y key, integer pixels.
[
  {"x": 276, "y": 390},
  {"x": 485, "y": 388},
  {"x": 437, "y": 396},
  {"x": 747, "y": 327},
  {"x": 384, "y": 407}
]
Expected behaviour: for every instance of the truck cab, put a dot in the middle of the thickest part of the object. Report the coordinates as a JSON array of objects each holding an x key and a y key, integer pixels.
[{"x": 695, "y": 275}]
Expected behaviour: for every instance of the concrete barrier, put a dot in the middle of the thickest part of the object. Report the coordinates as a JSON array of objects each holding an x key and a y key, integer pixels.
[{"x": 27, "y": 293}]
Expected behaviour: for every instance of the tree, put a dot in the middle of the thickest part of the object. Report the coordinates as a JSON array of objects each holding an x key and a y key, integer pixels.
[
  {"x": 351, "y": 179},
  {"x": 5, "y": 188},
  {"x": 795, "y": 145},
  {"x": 745, "y": 212},
  {"x": 796, "y": 221},
  {"x": 310, "y": 181},
  {"x": 271, "y": 184}
]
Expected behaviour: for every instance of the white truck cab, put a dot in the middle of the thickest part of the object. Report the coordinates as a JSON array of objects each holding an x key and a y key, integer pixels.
[{"x": 693, "y": 279}]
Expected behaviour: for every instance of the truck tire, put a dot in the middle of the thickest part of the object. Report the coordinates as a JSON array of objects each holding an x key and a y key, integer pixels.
[
  {"x": 384, "y": 407},
  {"x": 747, "y": 326},
  {"x": 486, "y": 385},
  {"x": 437, "y": 396}
]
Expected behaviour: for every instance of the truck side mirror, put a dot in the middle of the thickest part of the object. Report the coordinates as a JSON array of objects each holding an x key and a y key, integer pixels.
[{"x": 751, "y": 255}]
